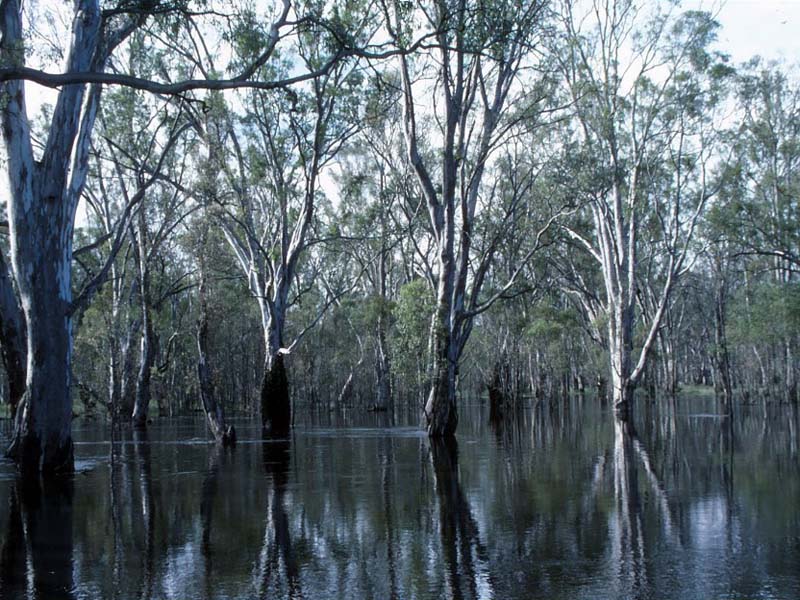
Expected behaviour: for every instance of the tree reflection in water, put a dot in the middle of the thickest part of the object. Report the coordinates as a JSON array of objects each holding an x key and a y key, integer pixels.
[
  {"x": 277, "y": 572},
  {"x": 208, "y": 495},
  {"x": 36, "y": 558},
  {"x": 627, "y": 543},
  {"x": 144, "y": 509},
  {"x": 555, "y": 504},
  {"x": 465, "y": 557}
]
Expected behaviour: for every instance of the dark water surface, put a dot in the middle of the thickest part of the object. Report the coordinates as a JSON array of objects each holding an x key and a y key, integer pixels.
[{"x": 565, "y": 505}]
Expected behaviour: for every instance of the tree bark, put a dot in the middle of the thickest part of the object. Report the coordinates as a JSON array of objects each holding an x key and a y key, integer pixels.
[
  {"x": 276, "y": 410},
  {"x": 215, "y": 413},
  {"x": 42, "y": 200},
  {"x": 620, "y": 333},
  {"x": 43, "y": 427},
  {"x": 12, "y": 338},
  {"x": 440, "y": 415},
  {"x": 721, "y": 357}
]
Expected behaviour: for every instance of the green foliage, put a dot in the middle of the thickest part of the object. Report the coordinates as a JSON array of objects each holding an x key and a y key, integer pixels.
[
  {"x": 771, "y": 315},
  {"x": 409, "y": 340}
]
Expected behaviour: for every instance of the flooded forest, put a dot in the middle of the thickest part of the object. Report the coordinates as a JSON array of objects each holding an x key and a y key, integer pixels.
[{"x": 391, "y": 299}]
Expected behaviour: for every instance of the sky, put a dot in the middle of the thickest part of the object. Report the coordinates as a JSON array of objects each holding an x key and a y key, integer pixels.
[{"x": 770, "y": 28}]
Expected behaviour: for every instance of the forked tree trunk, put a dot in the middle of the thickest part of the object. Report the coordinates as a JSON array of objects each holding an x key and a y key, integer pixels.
[{"x": 42, "y": 197}]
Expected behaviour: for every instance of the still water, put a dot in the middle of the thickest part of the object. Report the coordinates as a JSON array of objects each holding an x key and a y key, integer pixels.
[{"x": 565, "y": 504}]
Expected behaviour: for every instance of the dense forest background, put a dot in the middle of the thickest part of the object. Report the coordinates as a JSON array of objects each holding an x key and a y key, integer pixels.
[{"x": 512, "y": 200}]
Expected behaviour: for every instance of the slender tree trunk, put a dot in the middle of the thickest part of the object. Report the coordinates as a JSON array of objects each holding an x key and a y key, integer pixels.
[
  {"x": 127, "y": 387},
  {"x": 382, "y": 362},
  {"x": 791, "y": 380},
  {"x": 440, "y": 415},
  {"x": 496, "y": 391},
  {"x": 620, "y": 333},
  {"x": 147, "y": 359},
  {"x": 147, "y": 351},
  {"x": 722, "y": 360},
  {"x": 215, "y": 414},
  {"x": 383, "y": 375}
]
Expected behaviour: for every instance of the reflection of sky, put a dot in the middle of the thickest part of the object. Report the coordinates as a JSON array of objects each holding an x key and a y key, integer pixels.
[
  {"x": 548, "y": 522},
  {"x": 709, "y": 523}
]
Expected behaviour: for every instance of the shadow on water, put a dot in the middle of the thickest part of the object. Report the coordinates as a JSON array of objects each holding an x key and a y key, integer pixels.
[{"x": 36, "y": 558}]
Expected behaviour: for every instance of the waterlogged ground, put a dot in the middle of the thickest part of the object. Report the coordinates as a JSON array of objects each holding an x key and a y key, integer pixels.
[{"x": 564, "y": 505}]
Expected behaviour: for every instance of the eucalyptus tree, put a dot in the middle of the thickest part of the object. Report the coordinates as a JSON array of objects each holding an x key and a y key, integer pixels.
[
  {"x": 43, "y": 188},
  {"x": 643, "y": 85},
  {"x": 140, "y": 146},
  {"x": 271, "y": 158},
  {"x": 758, "y": 220},
  {"x": 762, "y": 215},
  {"x": 373, "y": 220},
  {"x": 471, "y": 69},
  {"x": 43, "y": 196}
]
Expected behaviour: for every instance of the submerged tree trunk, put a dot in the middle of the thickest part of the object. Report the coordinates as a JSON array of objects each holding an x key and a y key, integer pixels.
[
  {"x": 440, "y": 416},
  {"x": 383, "y": 397},
  {"x": 496, "y": 396},
  {"x": 43, "y": 427},
  {"x": 440, "y": 413},
  {"x": 276, "y": 410},
  {"x": 42, "y": 198},
  {"x": 147, "y": 359},
  {"x": 721, "y": 358},
  {"x": 383, "y": 370},
  {"x": 215, "y": 414},
  {"x": 149, "y": 342}
]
